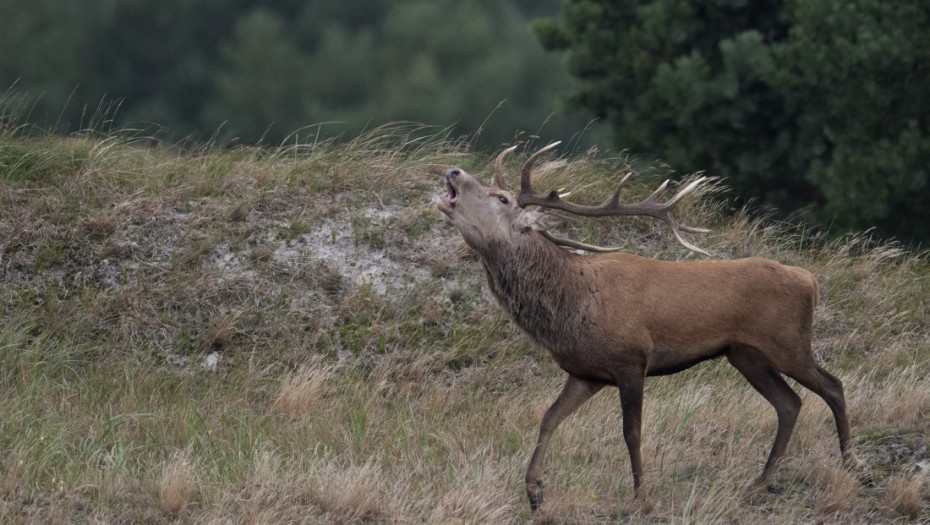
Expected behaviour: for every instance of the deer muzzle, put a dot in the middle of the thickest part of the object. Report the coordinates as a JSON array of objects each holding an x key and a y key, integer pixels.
[{"x": 453, "y": 194}]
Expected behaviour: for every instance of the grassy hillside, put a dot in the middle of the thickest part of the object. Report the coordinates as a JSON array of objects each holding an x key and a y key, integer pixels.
[{"x": 297, "y": 335}]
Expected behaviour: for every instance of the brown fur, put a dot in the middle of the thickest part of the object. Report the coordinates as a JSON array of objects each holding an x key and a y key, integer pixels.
[{"x": 614, "y": 319}]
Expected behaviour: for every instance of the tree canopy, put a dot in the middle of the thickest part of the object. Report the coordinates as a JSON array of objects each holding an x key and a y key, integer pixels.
[
  {"x": 815, "y": 103},
  {"x": 262, "y": 69}
]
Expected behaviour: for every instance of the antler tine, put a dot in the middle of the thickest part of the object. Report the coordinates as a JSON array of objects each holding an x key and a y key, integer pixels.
[
  {"x": 615, "y": 198},
  {"x": 687, "y": 244},
  {"x": 561, "y": 241},
  {"x": 692, "y": 229},
  {"x": 659, "y": 190},
  {"x": 688, "y": 189},
  {"x": 525, "y": 184},
  {"x": 499, "y": 180}
]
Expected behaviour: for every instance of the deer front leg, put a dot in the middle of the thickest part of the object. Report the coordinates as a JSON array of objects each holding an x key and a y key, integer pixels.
[
  {"x": 631, "y": 402},
  {"x": 575, "y": 392}
]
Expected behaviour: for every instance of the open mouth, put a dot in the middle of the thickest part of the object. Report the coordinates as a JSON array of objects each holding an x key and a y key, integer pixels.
[
  {"x": 447, "y": 202},
  {"x": 453, "y": 195}
]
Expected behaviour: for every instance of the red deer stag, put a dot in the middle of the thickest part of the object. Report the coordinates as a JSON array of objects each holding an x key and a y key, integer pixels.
[{"x": 616, "y": 318}]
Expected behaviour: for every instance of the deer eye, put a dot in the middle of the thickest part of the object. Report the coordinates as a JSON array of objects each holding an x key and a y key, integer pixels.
[{"x": 503, "y": 199}]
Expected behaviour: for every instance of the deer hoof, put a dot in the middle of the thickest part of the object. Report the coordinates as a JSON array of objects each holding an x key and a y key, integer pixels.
[
  {"x": 535, "y": 494},
  {"x": 860, "y": 470},
  {"x": 862, "y": 474},
  {"x": 865, "y": 478},
  {"x": 762, "y": 488}
]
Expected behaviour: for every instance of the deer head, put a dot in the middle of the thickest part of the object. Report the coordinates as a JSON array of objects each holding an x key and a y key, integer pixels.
[{"x": 488, "y": 215}]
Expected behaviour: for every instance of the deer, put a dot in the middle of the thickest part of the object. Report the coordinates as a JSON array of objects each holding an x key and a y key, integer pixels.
[{"x": 613, "y": 319}]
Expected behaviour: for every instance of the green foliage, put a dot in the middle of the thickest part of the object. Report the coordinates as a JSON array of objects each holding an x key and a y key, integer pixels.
[
  {"x": 864, "y": 117},
  {"x": 259, "y": 55},
  {"x": 28, "y": 161},
  {"x": 395, "y": 67},
  {"x": 263, "y": 69},
  {"x": 796, "y": 103}
]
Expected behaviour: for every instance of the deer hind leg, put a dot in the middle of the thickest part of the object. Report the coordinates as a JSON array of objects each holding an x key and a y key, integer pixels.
[
  {"x": 575, "y": 392},
  {"x": 830, "y": 388},
  {"x": 767, "y": 381}
]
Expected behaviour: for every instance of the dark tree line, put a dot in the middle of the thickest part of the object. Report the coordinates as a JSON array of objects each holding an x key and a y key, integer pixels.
[
  {"x": 818, "y": 103},
  {"x": 262, "y": 69}
]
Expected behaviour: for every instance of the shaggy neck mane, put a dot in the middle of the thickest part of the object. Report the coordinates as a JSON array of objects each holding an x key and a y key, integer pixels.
[{"x": 532, "y": 280}]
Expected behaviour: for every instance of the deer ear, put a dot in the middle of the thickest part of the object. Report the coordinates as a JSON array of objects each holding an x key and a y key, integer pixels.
[{"x": 535, "y": 220}]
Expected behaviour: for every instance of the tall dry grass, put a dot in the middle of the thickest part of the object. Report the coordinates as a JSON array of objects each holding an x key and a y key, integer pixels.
[{"x": 295, "y": 335}]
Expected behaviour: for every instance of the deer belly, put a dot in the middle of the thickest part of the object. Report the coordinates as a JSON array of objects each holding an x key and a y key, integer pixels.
[
  {"x": 583, "y": 368},
  {"x": 584, "y": 361}
]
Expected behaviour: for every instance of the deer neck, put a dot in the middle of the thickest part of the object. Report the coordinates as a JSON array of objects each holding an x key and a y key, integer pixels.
[{"x": 538, "y": 284}]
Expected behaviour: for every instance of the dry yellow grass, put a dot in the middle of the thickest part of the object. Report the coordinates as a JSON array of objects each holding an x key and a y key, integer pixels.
[
  {"x": 177, "y": 486},
  {"x": 301, "y": 390},
  {"x": 906, "y": 494}
]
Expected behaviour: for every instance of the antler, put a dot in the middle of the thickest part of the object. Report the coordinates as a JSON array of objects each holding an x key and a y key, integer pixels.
[
  {"x": 648, "y": 207},
  {"x": 499, "y": 179}
]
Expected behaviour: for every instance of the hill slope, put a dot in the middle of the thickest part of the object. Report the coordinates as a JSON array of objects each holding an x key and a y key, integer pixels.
[{"x": 298, "y": 335}]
